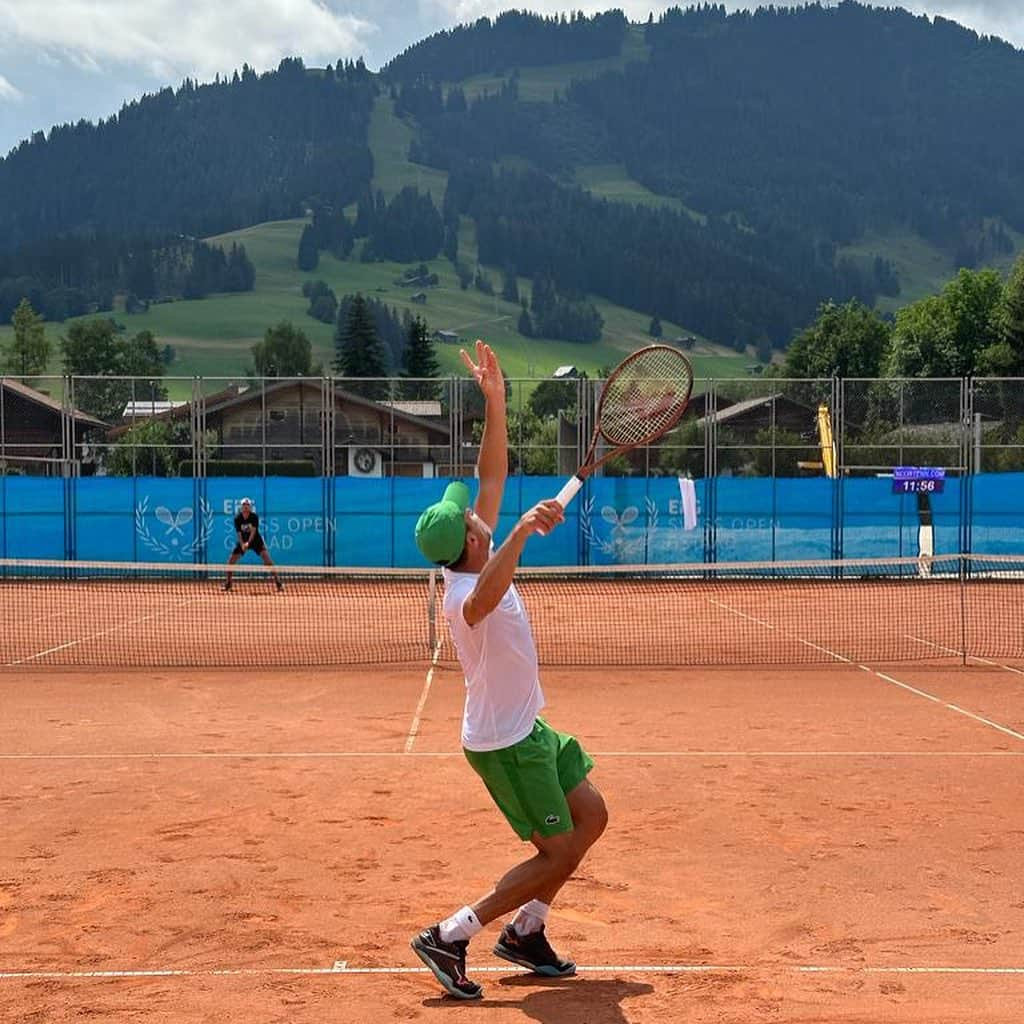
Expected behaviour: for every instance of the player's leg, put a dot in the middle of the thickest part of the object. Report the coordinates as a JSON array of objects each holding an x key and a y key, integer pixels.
[
  {"x": 267, "y": 560},
  {"x": 529, "y": 782},
  {"x": 236, "y": 554},
  {"x": 589, "y": 819},
  {"x": 442, "y": 947},
  {"x": 524, "y": 940}
]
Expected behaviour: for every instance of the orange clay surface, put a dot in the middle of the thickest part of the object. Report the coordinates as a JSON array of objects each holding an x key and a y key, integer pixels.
[{"x": 250, "y": 832}]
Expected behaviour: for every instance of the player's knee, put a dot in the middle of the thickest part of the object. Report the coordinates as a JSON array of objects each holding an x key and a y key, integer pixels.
[
  {"x": 562, "y": 855},
  {"x": 599, "y": 821}
]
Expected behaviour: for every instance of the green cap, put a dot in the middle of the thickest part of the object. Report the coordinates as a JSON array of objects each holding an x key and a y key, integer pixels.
[{"x": 441, "y": 530}]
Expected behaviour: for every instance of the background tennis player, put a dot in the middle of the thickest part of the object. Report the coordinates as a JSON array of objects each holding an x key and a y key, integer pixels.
[
  {"x": 536, "y": 776},
  {"x": 247, "y": 528}
]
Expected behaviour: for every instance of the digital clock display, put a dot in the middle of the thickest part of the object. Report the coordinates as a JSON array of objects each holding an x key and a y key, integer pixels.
[
  {"x": 918, "y": 480},
  {"x": 917, "y": 486}
]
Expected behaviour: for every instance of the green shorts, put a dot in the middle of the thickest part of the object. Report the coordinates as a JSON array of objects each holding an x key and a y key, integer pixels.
[{"x": 529, "y": 780}]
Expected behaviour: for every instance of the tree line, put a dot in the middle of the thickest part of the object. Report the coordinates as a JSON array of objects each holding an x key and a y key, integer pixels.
[
  {"x": 513, "y": 39},
  {"x": 198, "y": 160},
  {"x": 69, "y": 277},
  {"x": 721, "y": 280}
]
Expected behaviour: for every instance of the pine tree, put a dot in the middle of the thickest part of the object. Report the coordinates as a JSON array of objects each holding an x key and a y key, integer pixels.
[
  {"x": 309, "y": 255},
  {"x": 510, "y": 286},
  {"x": 358, "y": 350},
  {"x": 525, "y": 325},
  {"x": 29, "y": 351},
  {"x": 420, "y": 364}
]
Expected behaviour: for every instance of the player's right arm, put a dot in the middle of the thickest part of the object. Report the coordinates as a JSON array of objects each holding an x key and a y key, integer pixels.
[
  {"x": 492, "y": 464},
  {"x": 496, "y": 576}
]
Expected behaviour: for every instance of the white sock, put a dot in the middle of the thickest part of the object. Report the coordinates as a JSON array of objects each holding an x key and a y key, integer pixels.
[
  {"x": 461, "y": 926},
  {"x": 531, "y": 917}
]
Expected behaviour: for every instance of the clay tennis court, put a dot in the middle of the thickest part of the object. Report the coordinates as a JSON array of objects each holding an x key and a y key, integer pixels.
[{"x": 837, "y": 842}]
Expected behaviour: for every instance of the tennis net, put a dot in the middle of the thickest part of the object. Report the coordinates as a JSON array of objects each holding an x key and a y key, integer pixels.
[{"x": 165, "y": 615}]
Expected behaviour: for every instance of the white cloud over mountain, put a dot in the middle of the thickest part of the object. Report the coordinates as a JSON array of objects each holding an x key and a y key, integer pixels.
[{"x": 169, "y": 39}]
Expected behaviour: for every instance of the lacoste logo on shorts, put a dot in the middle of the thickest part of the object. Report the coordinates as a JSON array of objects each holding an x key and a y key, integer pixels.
[{"x": 552, "y": 819}]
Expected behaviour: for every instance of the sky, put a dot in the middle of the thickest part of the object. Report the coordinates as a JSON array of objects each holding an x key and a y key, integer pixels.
[{"x": 63, "y": 60}]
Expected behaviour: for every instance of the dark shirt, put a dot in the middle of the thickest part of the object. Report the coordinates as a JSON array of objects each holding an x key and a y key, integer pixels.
[{"x": 248, "y": 528}]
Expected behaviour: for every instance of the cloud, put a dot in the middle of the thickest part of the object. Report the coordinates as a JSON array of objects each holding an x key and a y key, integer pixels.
[
  {"x": 8, "y": 91},
  {"x": 170, "y": 39}
]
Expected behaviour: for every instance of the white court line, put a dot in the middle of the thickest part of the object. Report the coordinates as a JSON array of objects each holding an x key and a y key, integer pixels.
[
  {"x": 342, "y": 968},
  {"x": 952, "y": 707},
  {"x": 415, "y": 727},
  {"x": 881, "y": 675},
  {"x": 768, "y": 625},
  {"x": 970, "y": 657},
  {"x": 401, "y": 755},
  {"x": 103, "y": 632}
]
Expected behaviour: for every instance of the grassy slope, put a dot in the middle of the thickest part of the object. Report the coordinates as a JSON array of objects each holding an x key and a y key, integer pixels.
[
  {"x": 214, "y": 336},
  {"x": 923, "y": 269},
  {"x": 541, "y": 84}
]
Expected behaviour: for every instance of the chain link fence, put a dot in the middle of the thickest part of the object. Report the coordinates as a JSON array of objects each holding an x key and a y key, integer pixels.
[
  {"x": 774, "y": 467},
  {"x": 752, "y": 427}
]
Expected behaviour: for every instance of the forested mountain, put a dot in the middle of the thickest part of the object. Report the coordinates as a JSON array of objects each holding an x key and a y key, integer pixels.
[
  {"x": 513, "y": 39},
  {"x": 198, "y": 160},
  {"x": 777, "y": 137},
  {"x": 824, "y": 120}
]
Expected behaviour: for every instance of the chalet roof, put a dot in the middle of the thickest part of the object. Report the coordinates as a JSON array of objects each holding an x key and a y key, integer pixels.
[
  {"x": 143, "y": 407},
  {"x": 419, "y": 407},
  {"x": 236, "y": 396},
  {"x": 16, "y": 387}
]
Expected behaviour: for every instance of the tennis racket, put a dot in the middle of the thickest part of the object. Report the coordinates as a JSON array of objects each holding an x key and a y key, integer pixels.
[{"x": 642, "y": 400}]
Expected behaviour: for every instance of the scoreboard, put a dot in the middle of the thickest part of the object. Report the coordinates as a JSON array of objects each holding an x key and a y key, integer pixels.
[{"x": 918, "y": 480}]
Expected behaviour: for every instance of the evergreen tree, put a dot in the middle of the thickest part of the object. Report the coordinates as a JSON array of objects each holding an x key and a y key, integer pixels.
[
  {"x": 525, "y": 325},
  {"x": 358, "y": 350},
  {"x": 420, "y": 364},
  {"x": 451, "y": 243},
  {"x": 29, "y": 351},
  {"x": 309, "y": 253},
  {"x": 510, "y": 285}
]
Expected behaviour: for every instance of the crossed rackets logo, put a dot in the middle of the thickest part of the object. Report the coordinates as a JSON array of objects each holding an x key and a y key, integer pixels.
[
  {"x": 627, "y": 542},
  {"x": 174, "y": 542}
]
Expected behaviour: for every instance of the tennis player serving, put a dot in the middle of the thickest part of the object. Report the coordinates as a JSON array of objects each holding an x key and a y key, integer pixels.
[{"x": 536, "y": 776}]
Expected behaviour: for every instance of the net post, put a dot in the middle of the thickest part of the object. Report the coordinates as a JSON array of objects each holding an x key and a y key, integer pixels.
[
  {"x": 432, "y": 612},
  {"x": 963, "y": 608}
]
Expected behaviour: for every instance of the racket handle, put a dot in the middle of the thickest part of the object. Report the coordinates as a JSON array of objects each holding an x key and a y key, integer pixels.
[
  {"x": 569, "y": 491},
  {"x": 565, "y": 495}
]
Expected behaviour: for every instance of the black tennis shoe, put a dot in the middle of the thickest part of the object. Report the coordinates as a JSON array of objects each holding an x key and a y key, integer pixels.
[
  {"x": 447, "y": 962},
  {"x": 533, "y": 952}
]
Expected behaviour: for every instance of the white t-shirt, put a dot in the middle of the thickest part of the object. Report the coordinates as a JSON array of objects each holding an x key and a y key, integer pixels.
[{"x": 499, "y": 659}]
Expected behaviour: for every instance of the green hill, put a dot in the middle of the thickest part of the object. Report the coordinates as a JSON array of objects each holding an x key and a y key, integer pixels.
[{"x": 213, "y": 336}]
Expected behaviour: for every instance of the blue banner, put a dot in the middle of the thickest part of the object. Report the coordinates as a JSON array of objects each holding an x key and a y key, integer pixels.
[{"x": 614, "y": 520}]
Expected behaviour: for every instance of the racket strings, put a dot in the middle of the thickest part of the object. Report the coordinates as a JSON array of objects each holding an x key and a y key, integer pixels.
[{"x": 646, "y": 397}]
